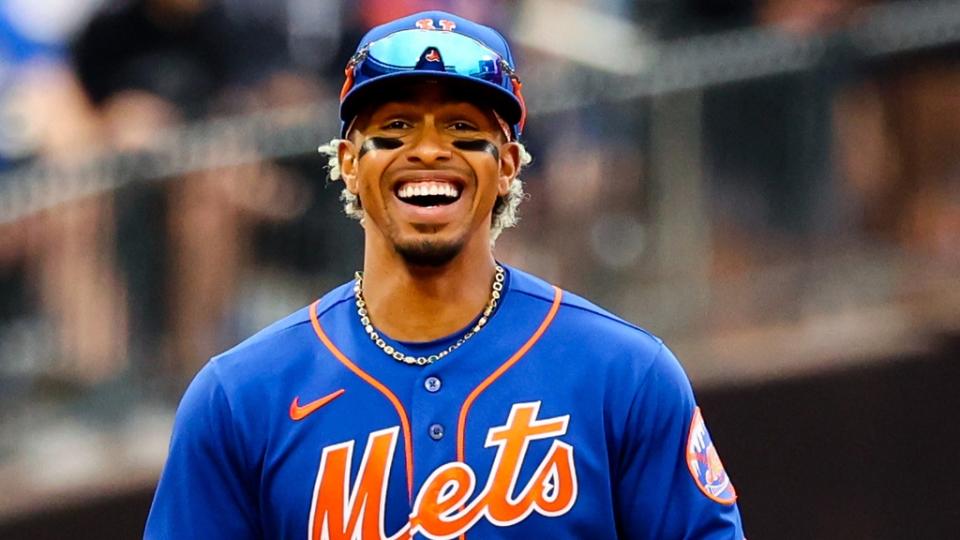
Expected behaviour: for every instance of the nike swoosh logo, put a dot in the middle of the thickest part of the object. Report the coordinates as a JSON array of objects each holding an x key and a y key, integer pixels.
[{"x": 298, "y": 412}]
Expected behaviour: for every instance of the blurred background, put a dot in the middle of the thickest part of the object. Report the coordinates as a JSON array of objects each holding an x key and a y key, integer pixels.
[{"x": 773, "y": 186}]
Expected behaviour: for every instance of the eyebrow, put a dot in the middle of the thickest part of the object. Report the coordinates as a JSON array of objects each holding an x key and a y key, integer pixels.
[{"x": 394, "y": 109}]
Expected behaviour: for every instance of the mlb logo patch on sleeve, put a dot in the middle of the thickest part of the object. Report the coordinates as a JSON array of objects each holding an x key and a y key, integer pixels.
[{"x": 705, "y": 465}]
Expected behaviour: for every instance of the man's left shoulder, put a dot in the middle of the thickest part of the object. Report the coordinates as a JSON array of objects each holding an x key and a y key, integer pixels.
[{"x": 580, "y": 321}]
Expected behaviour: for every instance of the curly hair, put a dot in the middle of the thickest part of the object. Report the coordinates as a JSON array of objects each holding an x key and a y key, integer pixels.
[{"x": 504, "y": 210}]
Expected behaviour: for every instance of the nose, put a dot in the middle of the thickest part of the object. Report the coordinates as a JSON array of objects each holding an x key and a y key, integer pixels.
[{"x": 430, "y": 147}]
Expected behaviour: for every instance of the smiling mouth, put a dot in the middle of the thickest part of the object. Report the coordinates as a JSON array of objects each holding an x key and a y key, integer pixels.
[{"x": 427, "y": 194}]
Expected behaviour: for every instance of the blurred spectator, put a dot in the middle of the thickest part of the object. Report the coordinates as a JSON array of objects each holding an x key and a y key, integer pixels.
[
  {"x": 376, "y": 12},
  {"x": 152, "y": 64},
  {"x": 809, "y": 17},
  {"x": 775, "y": 179},
  {"x": 672, "y": 19},
  {"x": 47, "y": 118},
  {"x": 899, "y": 131}
]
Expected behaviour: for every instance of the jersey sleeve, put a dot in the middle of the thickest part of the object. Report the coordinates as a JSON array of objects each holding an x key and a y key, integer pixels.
[
  {"x": 205, "y": 490},
  {"x": 670, "y": 483}
]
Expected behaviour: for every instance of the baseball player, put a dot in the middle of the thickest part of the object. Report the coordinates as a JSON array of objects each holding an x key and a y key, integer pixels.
[{"x": 441, "y": 394}]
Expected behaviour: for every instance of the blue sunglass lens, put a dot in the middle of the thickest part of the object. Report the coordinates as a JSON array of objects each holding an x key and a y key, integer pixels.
[{"x": 407, "y": 50}]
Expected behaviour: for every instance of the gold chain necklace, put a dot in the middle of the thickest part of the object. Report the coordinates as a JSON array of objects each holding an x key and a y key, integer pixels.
[{"x": 392, "y": 352}]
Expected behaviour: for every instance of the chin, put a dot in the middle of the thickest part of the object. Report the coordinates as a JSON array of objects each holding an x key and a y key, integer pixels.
[{"x": 432, "y": 253}]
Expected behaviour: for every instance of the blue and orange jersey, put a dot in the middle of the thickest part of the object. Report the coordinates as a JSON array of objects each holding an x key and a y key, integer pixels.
[{"x": 557, "y": 419}]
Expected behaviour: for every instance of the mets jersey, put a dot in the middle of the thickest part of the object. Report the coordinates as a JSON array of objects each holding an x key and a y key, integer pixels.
[{"x": 557, "y": 419}]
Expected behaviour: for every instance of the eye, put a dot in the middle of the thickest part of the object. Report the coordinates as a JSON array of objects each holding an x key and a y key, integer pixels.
[
  {"x": 396, "y": 124},
  {"x": 462, "y": 125}
]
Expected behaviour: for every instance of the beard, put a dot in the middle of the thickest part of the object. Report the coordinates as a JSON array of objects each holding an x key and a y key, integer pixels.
[{"x": 429, "y": 253}]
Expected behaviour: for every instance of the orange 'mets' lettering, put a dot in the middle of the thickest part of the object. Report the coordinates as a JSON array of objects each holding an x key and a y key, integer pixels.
[
  {"x": 336, "y": 514},
  {"x": 441, "y": 509}
]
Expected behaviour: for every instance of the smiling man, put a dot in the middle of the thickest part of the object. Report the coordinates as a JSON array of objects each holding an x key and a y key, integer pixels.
[{"x": 441, "y": 394}]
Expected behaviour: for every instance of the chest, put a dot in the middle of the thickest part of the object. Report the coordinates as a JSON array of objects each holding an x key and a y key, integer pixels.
[{"x": 440, "y": 452}]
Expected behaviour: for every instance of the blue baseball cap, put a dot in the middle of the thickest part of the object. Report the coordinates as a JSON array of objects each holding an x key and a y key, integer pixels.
[{"x": 441, "y": 46}]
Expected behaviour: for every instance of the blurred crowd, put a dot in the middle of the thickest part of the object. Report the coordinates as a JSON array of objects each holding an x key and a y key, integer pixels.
[
  {"x": 149, "y": 272},
  {"x": 149, "y": 279}
]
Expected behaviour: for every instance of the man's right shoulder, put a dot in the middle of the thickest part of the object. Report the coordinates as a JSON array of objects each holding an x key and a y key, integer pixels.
[
  {"x": 250, "y": 386},
  {"x": 282, "y": 344}
]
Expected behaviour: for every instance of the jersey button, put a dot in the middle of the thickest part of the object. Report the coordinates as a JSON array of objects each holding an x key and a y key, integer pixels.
[
  {"x": 432, "y": 384},
  {"x": 436, "y": 432}
]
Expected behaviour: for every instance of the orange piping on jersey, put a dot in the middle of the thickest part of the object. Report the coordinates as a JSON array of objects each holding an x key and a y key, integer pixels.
[
  {"x": 462, "y": 423},
  {"x": 404, "y": 423}
]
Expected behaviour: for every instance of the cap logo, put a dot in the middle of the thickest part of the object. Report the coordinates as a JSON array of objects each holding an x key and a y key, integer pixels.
[
  {"x": 432, "y": 56},
  {"x": 427, "y": 24}
]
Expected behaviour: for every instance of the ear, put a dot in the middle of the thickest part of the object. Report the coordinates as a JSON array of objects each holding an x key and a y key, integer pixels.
[
  {"x": 509, "y": 167},
  {"x": 347, "y": 158}
]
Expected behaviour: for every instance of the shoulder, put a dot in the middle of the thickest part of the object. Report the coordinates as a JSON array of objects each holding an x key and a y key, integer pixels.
[
  {"x": 281, "y": 346},
  {"x": 585, "y": 338},
  {"x": 580, "y": 321},
  {"x": 629, "y": 365},
  {"x": 244, "y": 385}
]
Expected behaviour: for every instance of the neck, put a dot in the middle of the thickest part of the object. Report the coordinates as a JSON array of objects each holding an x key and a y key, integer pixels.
[{"x": 415, "y": 303}]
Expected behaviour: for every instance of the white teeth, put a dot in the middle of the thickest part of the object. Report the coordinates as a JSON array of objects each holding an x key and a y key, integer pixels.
[{"x": 423, "y": 189}]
